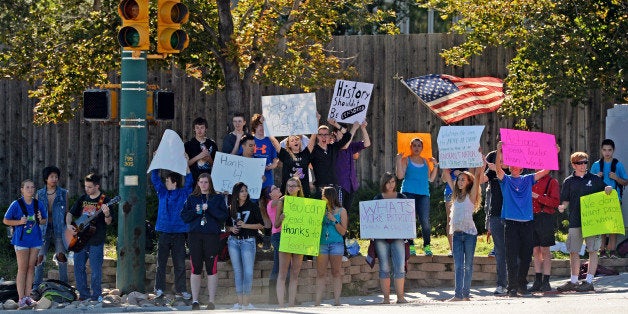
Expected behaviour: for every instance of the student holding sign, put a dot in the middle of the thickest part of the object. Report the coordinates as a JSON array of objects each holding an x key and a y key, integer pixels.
[
  {"x": 391, "y": 250},
  {"x": 580, "y": 183},
  {"x": 288, "y": 261},
  {"x": 331, "y": 248},
  {"x": 417, "y": 176},
  {"x": 244, "y": 223},
  {"x": 264, "y": 148},
  {"x": 519, "y": 227},
  {"x": 466, "y": 200},
  {"x": 295, "y": 160}
]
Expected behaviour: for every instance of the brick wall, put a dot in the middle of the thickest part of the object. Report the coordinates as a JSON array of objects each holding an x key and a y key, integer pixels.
[{"x": 358, "y": 278}]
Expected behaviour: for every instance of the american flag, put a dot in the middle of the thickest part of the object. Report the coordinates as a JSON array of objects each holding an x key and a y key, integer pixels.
[{"x": 453, "y": 98}]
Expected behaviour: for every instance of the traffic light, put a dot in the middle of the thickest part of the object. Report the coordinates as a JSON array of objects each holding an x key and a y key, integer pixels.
[
  {"x": 135, "y": 30},
  {"x": 100, "y": 105},
  {"x": 171, "y": 14}
]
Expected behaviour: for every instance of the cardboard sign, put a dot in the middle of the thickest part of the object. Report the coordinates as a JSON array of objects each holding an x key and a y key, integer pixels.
[
  {"x": 458, "y": 146},
  {"x": 532, "y": 150},
  {"x": 289, "y": 114},
  {"x": 302, "y": 226},
  {"x": 230, "y": 169},
  {"x": 388, "y": 219},
  {"x": 403, "y": 145},
  {"x": 170, "y": 154},
  {"x": 601, "y": 214},
  {"x": 350, "y": 101}
]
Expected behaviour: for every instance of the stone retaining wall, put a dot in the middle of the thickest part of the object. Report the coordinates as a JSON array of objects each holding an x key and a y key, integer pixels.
[{"x": 358, "y": 278}]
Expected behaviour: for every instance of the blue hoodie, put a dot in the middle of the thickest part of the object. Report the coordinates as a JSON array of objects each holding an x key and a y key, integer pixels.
[
  {"x": 170, "y": 204},
  {"x": 216, "y": 213}
]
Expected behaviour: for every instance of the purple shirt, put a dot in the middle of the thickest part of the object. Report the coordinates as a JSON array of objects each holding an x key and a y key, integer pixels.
[{"x": 345, "y": 167}]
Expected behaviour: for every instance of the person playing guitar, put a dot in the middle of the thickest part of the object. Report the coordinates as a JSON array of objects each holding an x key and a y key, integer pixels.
[{"x": 92, "y": 203}]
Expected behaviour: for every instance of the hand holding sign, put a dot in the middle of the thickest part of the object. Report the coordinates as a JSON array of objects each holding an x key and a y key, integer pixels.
[
  {"x": 289, "y": 114},
  {"x": 533, "y": 150},
  {"x": 458, "y": 146},
  {"x": 350, "y": 101},
  {"x": 170, "y": 154}
]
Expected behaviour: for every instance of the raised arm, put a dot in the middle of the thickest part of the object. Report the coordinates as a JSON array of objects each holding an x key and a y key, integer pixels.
[
  {"x": 446, "y": 177},
  {"x": 275, "y": 142},
  {"x": 434, "y": 171},
  {"x": 498, "y": 162},
  {"x": 365, "y": 134},
  {"x": 400, "y": 166}
]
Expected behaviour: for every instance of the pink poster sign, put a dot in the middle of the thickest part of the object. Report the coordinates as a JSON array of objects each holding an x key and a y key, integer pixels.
[{"x": 532, "y": 150}]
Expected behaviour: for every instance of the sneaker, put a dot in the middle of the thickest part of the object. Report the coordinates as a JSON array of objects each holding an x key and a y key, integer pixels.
[
  {"x": 545, "y": 287},
  {"x": 523, "y": 291},
  {"x": 568, "y": 286},
  {"x": 249, "y": 307},
  {"x": 412, "y": 250},
  {"x": 499, "y": 290},
  {"x": 345, "y": 259},
  {"x": 186, "y": 295},
  {"x": 603, "y": 254},
  {"x": 450, "y": 254},
  {"x": 196, "y": 306},
  {"x": 27, "y": 302},
  {"x": 99, "y": 299},
  {"x": 584, "y": 287},
  {"x": 613, "y": 254},
  {"x": 159, "y": 293},
  {"x": 536, "y": 286},
  {"x": 237, "y": 306},
  {"x": 512, "y": 293},
  {"x": 210, "y": 306},
  {"x": 427, "y": 250},
  {"x": 491, "y": 253}
]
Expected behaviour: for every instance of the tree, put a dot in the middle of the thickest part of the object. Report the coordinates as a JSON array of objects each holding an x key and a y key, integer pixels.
[
  {"x": 62, "y": 47},
  {"x": 563, "y": 49}
]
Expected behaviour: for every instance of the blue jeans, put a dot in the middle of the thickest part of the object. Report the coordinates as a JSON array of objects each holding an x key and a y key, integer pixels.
[
  {"x": 242, "y": 254},
  {"x": 496, "y": 224},
  {"x": 463, "y": 247},
  {"x": 394, "y": 251},
  {"x": 274, "y": 241},
  {"x": 95, "y": 254},
  {"x": 422, "y": 208},
  {"x": 49, "y": 238}
]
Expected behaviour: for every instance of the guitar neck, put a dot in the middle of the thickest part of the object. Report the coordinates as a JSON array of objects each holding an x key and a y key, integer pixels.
[{"x": 92, "y": 217}]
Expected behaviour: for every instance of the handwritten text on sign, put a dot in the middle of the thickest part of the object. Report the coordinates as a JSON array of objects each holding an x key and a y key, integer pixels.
[
  {"x": 230, "y": 169},
  {"x": 387, "y": 219},
  {"x": 302, "y": 225},
  {"x": 533, "y": 150},
  {"x": 458, "y": 146},
  {"x": 290, "y": 114},
  {"x": 350, "y": 101},
  {"x": 601, "y": 214}
]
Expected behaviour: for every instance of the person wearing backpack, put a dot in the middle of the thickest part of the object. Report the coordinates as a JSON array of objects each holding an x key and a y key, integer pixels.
[
  {"x": 55, "y": 200},
  {"x": 25, "y": 216},
  {"x": 614, "y": 174}
]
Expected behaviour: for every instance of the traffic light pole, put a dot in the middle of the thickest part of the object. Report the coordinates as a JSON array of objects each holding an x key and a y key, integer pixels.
[{"x": 131, "y": 268}]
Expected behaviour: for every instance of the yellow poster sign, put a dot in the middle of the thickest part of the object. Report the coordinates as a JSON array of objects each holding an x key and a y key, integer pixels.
[
  {"x": 403, "y": 145},
  {"x": 601, "y": 214},
  {"x": 302, "y": 224}
]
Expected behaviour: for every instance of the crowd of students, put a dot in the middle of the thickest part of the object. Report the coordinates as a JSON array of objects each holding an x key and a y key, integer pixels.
[{"x": 519, "y": 207}]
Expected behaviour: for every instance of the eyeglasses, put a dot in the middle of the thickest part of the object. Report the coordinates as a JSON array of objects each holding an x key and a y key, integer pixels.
[{"x": 581, "y": 162}]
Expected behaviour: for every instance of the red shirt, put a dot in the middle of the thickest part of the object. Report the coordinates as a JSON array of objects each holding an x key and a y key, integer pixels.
[{"x": 549, "y": 195}]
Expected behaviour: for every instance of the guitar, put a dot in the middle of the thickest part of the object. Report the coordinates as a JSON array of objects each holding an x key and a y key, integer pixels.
[{"x": 84, "y": 229}]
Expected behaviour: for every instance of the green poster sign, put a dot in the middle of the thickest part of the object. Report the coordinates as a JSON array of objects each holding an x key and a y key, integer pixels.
[
  {"x": 302, "y": 224},
  {"x": 601, "y": 214}
]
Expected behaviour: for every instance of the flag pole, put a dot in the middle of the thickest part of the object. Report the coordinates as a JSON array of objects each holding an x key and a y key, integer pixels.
[{"x": 400, "y": 78}]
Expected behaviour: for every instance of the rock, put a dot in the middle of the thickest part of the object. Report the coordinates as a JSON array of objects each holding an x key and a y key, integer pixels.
[
  {"x": 135, "y": 297},
  {"x": 43, "y": 304},
  {"x": 10, "y": 305},
  {"x": 115, "y": 292},
  {"x": 111, "y": 301}
]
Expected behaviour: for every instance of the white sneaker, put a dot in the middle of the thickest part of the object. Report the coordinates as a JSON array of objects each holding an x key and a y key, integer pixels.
[
  {"x": 499, "y": 290},
  {"x": 249, "y": 307},
  {"x": 345, "y": 259},
  {"x": 158, "y": 293},
  {"x": 186, "y": 295},
  {"x": 237, "y": 306}
]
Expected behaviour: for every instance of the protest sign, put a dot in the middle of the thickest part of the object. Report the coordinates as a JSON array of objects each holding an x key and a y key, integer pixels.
[
  {"x": 170, "y": 154},
  {"x": 458, "y": 146},
  {"x": 292, "y": 114},
  {"x": 601, "y": 214},
  {"x": 403, "y": 145},
  {"x": 533, "y": 150},
  {"x": 387, "y": 219},
  {"x": 230, "y": 169},
  {"x": 350, "y": 101},
  {"x": 302, "y": 225}
]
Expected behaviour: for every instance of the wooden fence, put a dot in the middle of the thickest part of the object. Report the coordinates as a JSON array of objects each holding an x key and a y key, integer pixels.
[{"x": 78, "y": 146}]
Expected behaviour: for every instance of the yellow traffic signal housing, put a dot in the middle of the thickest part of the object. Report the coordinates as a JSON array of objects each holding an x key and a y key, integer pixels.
[
  {"x": 134, "y": 34},
  {"x": 100, "y": 105},
  {"x": 171, "y": 14}
]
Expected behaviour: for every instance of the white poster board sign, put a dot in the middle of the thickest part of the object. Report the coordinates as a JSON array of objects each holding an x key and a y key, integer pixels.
[
  {"x": 350, "y": 101},
  {"x": 292, "y": 114},
  {"x": 230, "y": 169},
  {"x": 388, "y": 219},
  {"x": 458, "y": 146},
  {"x": 170, "y": 154}
]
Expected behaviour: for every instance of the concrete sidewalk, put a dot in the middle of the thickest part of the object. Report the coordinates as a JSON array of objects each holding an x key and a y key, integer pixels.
[{"x": 610, "y": 296}]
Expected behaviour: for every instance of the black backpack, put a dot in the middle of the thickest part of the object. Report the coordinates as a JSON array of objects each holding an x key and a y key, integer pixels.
[
  {"x": 8, "y": 291},
  {"x": 56, "y": 291},
  {"x": 618, "y": 187}
]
